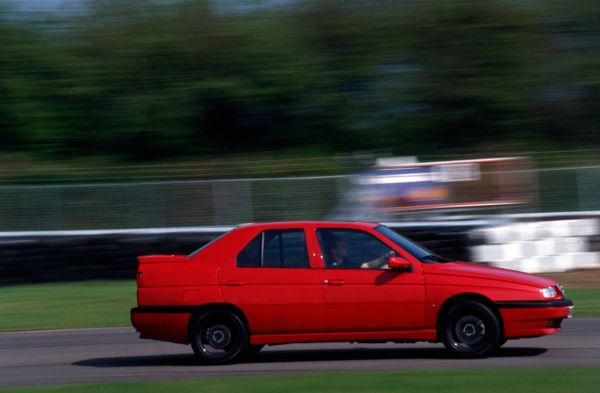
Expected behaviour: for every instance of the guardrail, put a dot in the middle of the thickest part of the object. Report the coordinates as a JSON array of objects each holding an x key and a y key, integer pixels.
[
  {"x": 528, "y": 242},
  {"x": 42, "y": 256}
]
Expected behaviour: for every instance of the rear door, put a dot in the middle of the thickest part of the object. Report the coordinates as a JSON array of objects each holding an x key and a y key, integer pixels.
[{"x": 271, "y": 279}]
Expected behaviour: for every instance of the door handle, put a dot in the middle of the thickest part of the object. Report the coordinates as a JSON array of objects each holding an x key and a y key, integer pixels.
[
  {"x": 334, "y": 282},
  {"x": 235, "y": 283}
]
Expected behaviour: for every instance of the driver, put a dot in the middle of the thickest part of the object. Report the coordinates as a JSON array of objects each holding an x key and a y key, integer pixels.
[
  {"x": 339, "y": 252},
  {"x": 339, "y": 256}
]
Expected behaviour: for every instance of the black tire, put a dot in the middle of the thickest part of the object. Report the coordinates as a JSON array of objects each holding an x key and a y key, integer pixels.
[
  {"x": 218, "y": 337},
  {"x": 253, "y": 350},
  {"x": 471, "y": 329},
  {"x": 501, "y": 342}
]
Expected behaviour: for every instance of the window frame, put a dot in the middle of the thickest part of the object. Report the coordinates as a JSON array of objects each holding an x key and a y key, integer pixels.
[{"x": 281, "y": 250}]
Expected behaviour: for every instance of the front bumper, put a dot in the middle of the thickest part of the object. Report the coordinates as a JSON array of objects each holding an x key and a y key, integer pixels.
[{"x": 534, "y": 318}]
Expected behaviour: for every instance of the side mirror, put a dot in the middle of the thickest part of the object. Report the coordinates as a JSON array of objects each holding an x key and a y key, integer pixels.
[{"x": 398, "y": 263}]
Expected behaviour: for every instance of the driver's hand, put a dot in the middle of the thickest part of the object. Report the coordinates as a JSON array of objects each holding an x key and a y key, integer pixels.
[{"x": 365, "y": 266}]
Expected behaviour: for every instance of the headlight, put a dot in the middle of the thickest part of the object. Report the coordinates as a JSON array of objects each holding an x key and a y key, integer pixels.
[{"x": 548, "y": 292}]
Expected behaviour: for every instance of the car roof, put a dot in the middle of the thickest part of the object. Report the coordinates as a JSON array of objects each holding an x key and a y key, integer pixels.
[{"x": 297, "y": 224}]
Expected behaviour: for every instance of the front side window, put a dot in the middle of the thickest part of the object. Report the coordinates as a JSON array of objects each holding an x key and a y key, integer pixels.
[
  {"x": 352, "y": 249},
  {"x": 278, "y": 248}
]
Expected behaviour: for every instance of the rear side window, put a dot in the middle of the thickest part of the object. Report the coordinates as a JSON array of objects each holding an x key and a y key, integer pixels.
[
  {"x": 210, "y": 242},
  {"x": 250, "y": 255},
  {"x": 284, "y": 248}
]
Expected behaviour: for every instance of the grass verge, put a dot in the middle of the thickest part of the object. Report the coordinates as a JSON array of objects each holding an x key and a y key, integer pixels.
[
  {"x": 107, "y": 303},
  {"x": 560, "y": 380},
  {"x": 66, "y": 305},
  {"x": 587, "y": 301}
]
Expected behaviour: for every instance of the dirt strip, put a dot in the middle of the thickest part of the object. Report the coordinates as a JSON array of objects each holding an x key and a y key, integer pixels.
[{"x": 588, "y": 278}]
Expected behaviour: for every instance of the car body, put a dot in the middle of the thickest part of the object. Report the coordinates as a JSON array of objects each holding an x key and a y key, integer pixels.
[{"x": 292, "y": 282}]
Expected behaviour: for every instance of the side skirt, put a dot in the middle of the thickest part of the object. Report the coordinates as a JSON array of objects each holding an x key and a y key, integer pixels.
[{"x": 402, "y": 335}]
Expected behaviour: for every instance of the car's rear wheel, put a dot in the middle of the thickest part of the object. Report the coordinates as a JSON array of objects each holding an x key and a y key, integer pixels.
[
  {"x": 253, "y": 350},
  {"x": 218, "y": 337},
  {"x": 471, "y": 329},
  {"x": 501, "y": 342}
]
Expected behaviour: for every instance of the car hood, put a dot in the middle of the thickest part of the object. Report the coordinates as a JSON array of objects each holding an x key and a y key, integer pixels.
[{"x": 466, "y": 269}]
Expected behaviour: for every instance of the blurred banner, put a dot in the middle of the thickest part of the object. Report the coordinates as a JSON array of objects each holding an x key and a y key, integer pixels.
[{"x": 392, "y": 189}]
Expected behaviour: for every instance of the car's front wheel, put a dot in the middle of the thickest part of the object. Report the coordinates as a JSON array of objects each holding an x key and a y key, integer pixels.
[
  {"x": 471, "y": 329},
  {"x": 218, "y": 337}
]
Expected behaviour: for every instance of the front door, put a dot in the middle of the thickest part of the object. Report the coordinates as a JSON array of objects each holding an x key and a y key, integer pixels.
[{"x": 360, "y": 293}]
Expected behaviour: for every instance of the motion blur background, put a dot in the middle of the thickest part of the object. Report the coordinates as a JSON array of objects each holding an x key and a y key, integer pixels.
[{"x": 472, "y": 126}]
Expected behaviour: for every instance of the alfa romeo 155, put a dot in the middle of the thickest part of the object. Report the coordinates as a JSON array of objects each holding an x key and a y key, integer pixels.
[{"x": 297, "y": 282}]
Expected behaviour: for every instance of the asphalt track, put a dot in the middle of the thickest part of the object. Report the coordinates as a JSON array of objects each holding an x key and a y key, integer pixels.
[{"x": 93, "y": 355}]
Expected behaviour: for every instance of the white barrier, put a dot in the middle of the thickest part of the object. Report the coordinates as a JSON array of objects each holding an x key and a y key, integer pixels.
[{"x": 539, "y": 247}]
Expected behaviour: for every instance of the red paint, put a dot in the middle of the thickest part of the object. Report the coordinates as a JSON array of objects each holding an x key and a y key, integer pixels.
[{"x": 283, "y": 305}]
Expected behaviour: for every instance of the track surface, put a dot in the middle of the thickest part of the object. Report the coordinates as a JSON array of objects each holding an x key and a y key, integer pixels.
[{"x": 92, "y": 355}]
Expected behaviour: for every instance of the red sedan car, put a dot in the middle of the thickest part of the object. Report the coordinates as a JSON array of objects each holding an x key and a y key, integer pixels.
[{"x": 293, "y": 282}]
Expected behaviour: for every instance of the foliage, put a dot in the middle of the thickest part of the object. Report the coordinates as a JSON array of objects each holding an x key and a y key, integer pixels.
[{"x": 154, "y": 80}]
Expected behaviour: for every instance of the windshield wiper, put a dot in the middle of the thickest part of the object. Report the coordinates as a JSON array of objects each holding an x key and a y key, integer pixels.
[{"x": 433, "y": 258}]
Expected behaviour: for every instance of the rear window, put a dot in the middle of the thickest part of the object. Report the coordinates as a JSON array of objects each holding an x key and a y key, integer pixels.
[{"x": 278, "y": 248}]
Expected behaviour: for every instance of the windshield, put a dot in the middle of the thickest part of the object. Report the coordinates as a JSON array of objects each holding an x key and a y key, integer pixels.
[
  {"x": 416, "y": 250},
  {"x": 208, "y": 244}
]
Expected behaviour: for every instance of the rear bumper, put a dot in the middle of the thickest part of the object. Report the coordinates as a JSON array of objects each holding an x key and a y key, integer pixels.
[
  {"x": 162, "y": 323},
  {"x": 532, "y": 319}
]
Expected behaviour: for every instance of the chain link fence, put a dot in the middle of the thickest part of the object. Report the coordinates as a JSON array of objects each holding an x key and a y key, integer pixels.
[
  {"x": 167, "y": 204},
  {"x": 568, "y": 189},
  {"x": 232, "y": 201}
]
